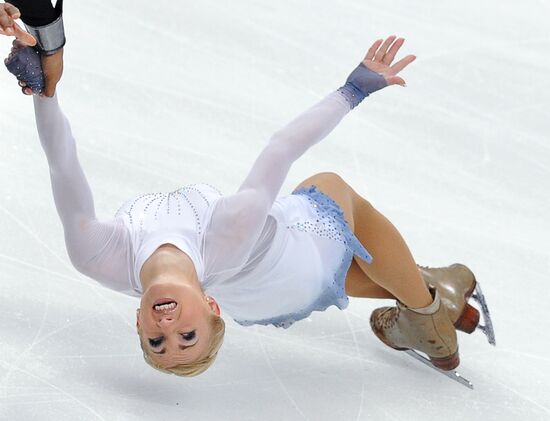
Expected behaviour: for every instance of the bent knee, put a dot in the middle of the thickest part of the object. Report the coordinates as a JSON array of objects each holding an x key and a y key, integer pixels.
[
  {"x": 336, "y": 187},
  {"x": 324, "y": 179},
  {"x": 331, "y": 184},
  {"x": 328, "y": 177}
]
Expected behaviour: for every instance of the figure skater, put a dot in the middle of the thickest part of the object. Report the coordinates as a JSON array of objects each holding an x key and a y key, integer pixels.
[{"x": 262, "y": 259}]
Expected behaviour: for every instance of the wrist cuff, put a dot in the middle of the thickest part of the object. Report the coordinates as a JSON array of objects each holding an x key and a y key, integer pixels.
[
  {"x": 352, "y": 94},
  {"x": 361, "y": 83},
  {"x": 50, "y": 38}
]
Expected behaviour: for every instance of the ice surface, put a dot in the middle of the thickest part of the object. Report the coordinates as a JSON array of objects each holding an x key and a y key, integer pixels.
[{"x": 167, "y": 93}]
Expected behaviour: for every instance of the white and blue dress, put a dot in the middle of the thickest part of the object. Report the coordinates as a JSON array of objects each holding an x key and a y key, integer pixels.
[{"x": 266, "y": 260}]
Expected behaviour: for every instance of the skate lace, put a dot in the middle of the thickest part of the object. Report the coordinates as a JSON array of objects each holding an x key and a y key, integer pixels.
[{"x": 388, "y": 317}]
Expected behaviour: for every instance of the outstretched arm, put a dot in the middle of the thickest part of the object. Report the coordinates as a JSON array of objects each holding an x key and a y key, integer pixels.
[
  {"x": 237, "y": 220},
  {"x": 292, "y": 141},
  {"x": 98, "y": 249}
]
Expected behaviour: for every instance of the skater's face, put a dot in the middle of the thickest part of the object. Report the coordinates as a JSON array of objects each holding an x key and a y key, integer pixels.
[{"x": 174, "y": 321}]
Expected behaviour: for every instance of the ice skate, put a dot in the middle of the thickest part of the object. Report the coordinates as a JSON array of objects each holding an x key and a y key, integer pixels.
[
  {"x": 453, "y": 375},
  {"x": 456, "y": 284},
  {"x": 427, "y": 330}
]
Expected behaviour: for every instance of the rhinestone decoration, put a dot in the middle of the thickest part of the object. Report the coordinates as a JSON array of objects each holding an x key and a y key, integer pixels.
[
  {"x": 189, "y": 200},
  {"x": 330, "y": 223},
  {"x": 25, "y": 64}
]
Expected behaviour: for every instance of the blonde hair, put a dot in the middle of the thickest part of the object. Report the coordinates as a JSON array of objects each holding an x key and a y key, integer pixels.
[{"x": 217, "y": 326}]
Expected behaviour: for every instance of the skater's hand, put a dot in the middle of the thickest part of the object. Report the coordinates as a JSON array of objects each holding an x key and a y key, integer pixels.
[
  {"x": 8, "y": 15},
  {"x": 52, "y": 66},
  {"x": 381, "y": 55}
]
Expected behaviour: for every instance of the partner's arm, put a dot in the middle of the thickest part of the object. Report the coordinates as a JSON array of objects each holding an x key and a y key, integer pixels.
[
  {"x": 237, "y": 220},
  {"x": 45, "y": 23},
  {"x": 98, "y": 249}
]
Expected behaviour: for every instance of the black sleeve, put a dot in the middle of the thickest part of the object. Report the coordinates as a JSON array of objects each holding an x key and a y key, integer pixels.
[{"x": 38, "y": 12}]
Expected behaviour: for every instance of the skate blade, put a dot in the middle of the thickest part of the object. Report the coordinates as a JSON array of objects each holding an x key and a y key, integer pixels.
[
  {"x": 487, "y": 328},
  {"x": 452, "y": 374}
]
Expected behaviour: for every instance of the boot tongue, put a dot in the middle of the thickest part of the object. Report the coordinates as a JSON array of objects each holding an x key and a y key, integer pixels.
[{"x": 433, "y": 307}]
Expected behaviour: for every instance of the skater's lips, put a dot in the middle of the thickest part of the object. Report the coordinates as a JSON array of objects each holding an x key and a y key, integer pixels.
[
  {"x": 164, "y": 300},
  {"x": 164, "y": 306}
]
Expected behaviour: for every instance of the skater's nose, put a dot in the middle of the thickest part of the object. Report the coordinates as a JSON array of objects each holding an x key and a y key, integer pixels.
[{"x": 165, "y": 320}]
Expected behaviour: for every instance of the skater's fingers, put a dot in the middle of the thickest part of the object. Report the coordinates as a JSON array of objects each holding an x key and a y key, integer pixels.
[
  {"x": 395, "y": 80},
  {"x": 372, "y": 49},
  {"x": 390, "y": 55},
  {"x": 10, "y": 56},
  {"x": 401, "y": 64},
  {"x": 26, "y": 91},
  {"x": 8, "y": 13},
  {"x": 5, "y": 20},
  {"x": 6, "y": 30},
  {"x": 22, "y": 83},
  {"x": 12, "y": 11},
  {"x": 20, "y": 34},
  {"x": 24, "y": 36},
  {"x": 17, "y": 45},
  {"x": 384, "y": 48}
]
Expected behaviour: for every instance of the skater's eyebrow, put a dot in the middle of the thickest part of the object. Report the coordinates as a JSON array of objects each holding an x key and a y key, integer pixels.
[{"x": 182, "y": 347}]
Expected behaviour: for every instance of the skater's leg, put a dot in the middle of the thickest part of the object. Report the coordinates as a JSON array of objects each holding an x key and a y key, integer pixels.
[
  {"x": 418, "y": 321},
  {"x": 358, "y": 284},
  {"x": 393, "y": 267}
]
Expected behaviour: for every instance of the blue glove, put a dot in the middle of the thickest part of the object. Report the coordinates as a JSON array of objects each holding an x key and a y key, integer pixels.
[
  {"x": 360, "y": 84},
  {"x": 26, "y": 66}
]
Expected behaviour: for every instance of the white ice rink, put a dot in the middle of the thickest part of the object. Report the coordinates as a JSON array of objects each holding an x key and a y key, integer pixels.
[{"x": 161, "y": 94}]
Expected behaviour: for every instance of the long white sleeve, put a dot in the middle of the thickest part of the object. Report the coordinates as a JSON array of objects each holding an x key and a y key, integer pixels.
[
  {"x": 98, "y": 249},
  {"x": 237, "y": 220}
]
